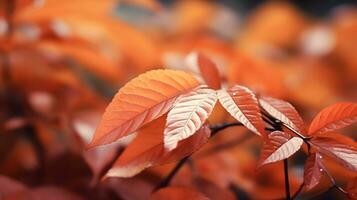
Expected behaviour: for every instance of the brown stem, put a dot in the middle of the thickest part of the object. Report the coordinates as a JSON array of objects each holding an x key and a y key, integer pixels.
[{"x": 166, "y": 181}]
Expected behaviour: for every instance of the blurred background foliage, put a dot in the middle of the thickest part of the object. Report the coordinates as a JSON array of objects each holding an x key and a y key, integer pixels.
[{"x": 62, "y": 61}]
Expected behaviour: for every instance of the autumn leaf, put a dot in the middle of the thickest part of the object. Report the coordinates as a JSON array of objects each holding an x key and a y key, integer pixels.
[
  {"x": 242, "y": 104},
  {"x": 140, "y": 101},
  {"x": 206, "y": 67},
  {"x": 338, "y": 147},
  {"x": 187, "y": 115},
  {"x": 177, "y": 193},
  {"x": 334, "y": 117},
  {"x": 312, "y": 171},
  {"x": 148, "y": 149},
  {"x": 279, "y": 146},
  {"x": 284, "y": 112}
]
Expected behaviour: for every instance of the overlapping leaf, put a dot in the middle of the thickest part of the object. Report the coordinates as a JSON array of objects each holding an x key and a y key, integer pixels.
[
  {"x": 279, "y": 146},
  {"x": 242, "y": 104},
  {"x": 188, "y": 114},
  {"x": 206, "y": 68},
  {"x": 140, "y": 101},
  {"x": 338, "y": 147},
  {"x": 148, "y": 149},
  {"x": 334, "y": 117},
  {"x": 312, "y": 171},
  {"x": 284, "y": 112}
]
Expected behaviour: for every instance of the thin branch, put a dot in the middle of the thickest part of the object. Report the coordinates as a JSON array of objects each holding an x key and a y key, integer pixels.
[
  {"x": 294, "y": 131},
  {"x": 286, "y": 175},
  {"x": 298, "y": 191},
  {"x": 220, "y": 127},
  {"x": 214, "y": 130},
  {"x": 224, "y": 146},
  {"x": 166, "y": 181},
  {"x": 333, "y": 182}
]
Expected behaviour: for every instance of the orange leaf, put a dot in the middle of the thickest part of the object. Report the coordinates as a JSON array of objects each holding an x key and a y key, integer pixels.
[
  {"x": 140, "y": 101},
  {"x": 148, "y": 149},
  {"x": 312, "y": 171},
  {"x": 207, "y": 68},
  {"x": 338, "y": 147},
  {"x": 334, "y": 117},
  {"x": 177, "y": 193},
  {"x": 242, "y": 104},
  {"x": 284, "y": 112},
  {"x": 279, "y": 146}
]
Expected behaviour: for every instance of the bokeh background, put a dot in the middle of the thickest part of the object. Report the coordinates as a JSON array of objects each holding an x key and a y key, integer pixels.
[{"x": 63, "y": 60}]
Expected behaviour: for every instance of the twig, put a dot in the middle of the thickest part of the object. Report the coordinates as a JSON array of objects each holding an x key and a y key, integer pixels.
[
  {"x": 298, "y": 191},
  {"x": 221, "y": 147},
  {"x": 214, "y": 130},
  {"x": 333, "y": 182},
  {"x": 220, "y": 127},
  {"x": 166, "y": 181}
]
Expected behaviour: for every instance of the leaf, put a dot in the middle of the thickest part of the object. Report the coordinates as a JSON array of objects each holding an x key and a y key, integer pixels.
[
  {"x": 284, "y": 112},
  {"x": 334, "y": 117},
  {"x": 148, "y": 149},
  {"x": 140, "y": 101},
  {"x": 242, "y": 104},
  {"x": 279, "y": 146},
  {"x": 312, "y": 171},
  {"x": 208, "y": 69},
  {"x": 338, "y": 147},
  {"x": 188, "y": 114},
  {"x": 177, "y": 193},
  {"x": 97, "y": 158}
]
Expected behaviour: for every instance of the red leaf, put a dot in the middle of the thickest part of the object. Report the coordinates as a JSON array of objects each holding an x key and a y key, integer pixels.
[
  {"x": 140, "y": 101},
  {"x": 284, "y": 112},
  {"x": 340, "y": 148},
  {"x": 148, "y": 149},
  {"x": 242, "y": 104},
  {"x": 334, "y": 117},
  {"x": 279, "y": 146},
  {"x": 312, "y": 171},
  {"x": 177, "y": 193},
  {"x": 209, "y": 71}
]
